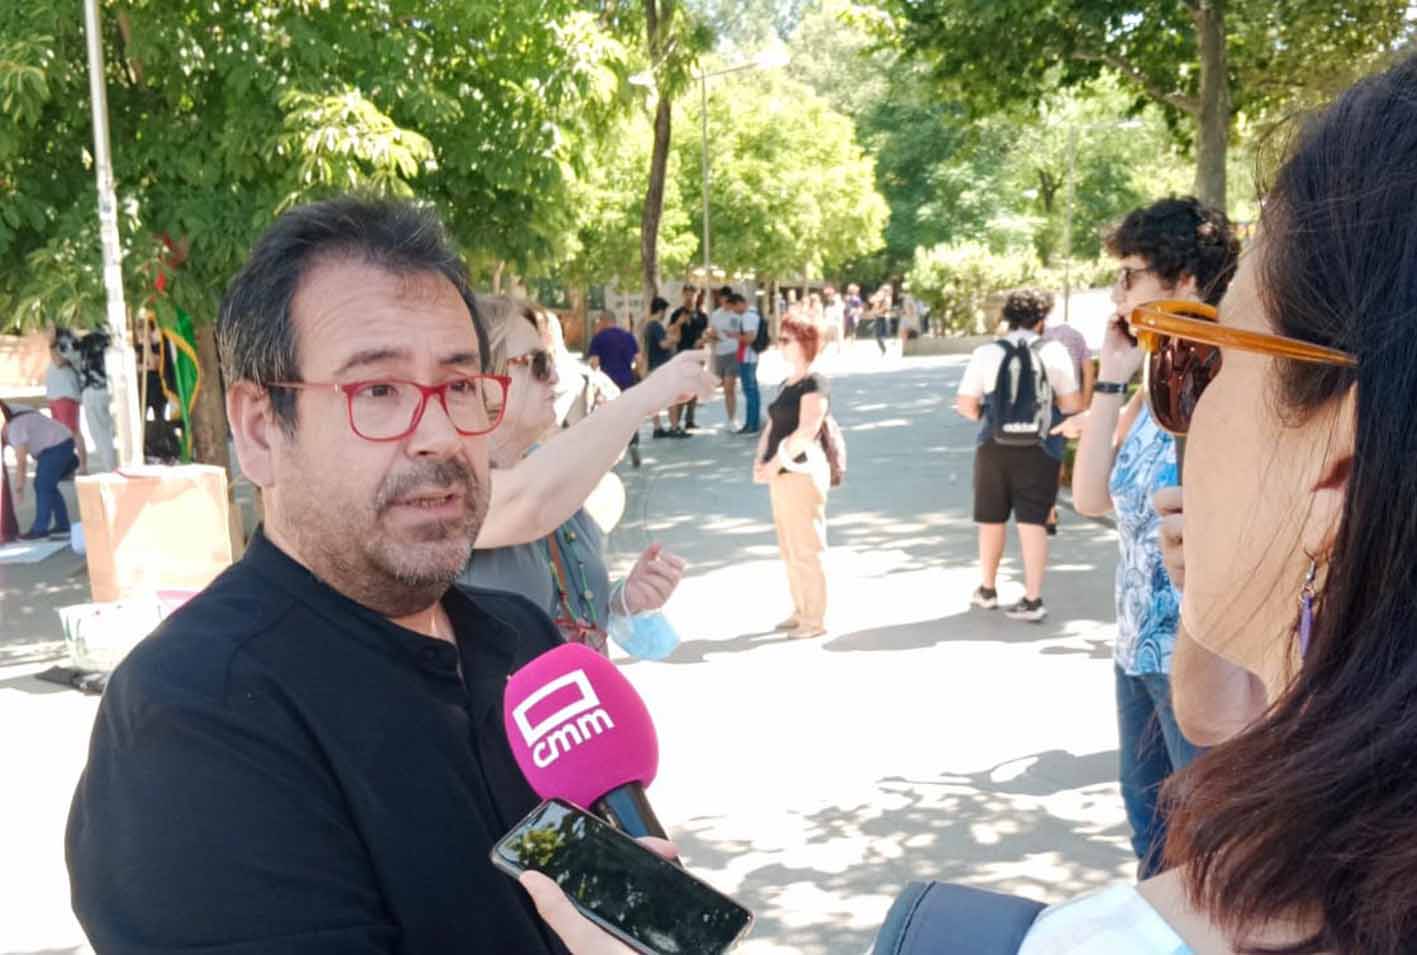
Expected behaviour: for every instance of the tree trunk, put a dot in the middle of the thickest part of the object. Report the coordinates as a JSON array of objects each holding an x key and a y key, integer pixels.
[
  {"x": 656, "y": 21},
  {"x": 209, "y": 428},
  {"x": 1213, "y": 132},
  {"x": 654, "y": 200}
]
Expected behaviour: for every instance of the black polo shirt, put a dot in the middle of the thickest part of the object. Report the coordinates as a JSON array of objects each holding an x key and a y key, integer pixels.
[{"x": 278, "y": 769}]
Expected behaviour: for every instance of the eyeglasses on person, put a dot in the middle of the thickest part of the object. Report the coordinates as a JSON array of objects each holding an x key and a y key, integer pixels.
[
  {"x": 1127, "y": 275},
  {"x": 1183, "y": 342},
  {"x": 390, "y": 409},
  {"x": 538, "y": 361}
]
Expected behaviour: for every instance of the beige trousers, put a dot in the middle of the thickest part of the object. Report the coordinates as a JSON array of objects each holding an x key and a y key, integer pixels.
[{"x": 799, "y": 512}]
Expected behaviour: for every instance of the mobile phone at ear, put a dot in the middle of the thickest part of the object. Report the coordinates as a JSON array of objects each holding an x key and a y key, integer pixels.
[{"x": 639, "y": 897}]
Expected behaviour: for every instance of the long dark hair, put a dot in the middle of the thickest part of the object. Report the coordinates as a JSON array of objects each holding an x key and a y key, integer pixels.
[{"x": 1312, "y": 813}]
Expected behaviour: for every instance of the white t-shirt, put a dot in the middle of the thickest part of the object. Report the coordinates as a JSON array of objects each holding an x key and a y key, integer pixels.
[
  {"x": 61, "y": 381},
  {"x": 1115, "y": 921},
  {"x": 727, "y": 323},
  {"x": 750, "y": 320},
  {"x": 983, "y": 370}
]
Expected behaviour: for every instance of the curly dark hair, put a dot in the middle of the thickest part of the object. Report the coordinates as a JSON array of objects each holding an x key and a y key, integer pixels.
[
  {"x": 1026, "y": 307},
  {"x": 1181, "y": 236}
]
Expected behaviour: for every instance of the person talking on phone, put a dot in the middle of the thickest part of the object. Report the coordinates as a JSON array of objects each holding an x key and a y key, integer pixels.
[{"x": 1176, "y": 249}]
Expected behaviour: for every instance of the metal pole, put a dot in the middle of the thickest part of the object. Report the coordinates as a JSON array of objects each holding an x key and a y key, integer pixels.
[
  {"x": 703, "y": 116},
  {"x": 119, "y": 360},
  {"x": 1068, "y": 226}
]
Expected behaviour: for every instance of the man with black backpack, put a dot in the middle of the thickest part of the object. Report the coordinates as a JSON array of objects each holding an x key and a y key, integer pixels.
[
  {"x": 1018, "y": 388},
  {"x": 754, "y": 337}
]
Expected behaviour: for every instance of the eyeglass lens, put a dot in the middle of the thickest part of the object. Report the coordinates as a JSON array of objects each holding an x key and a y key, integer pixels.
[
  {"x": 1177, "y": 373},
  {"x": 381, "y": 410}
]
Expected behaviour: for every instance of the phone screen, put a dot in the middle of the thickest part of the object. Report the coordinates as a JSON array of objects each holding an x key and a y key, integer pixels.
[{"x": 647, "y": 901}]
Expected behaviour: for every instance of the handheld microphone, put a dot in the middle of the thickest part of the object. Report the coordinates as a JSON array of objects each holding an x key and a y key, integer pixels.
[{"x": 581, "y": 733}]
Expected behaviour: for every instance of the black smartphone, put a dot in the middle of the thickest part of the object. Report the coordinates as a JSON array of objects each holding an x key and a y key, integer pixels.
[{"x": 641, "y": 898}]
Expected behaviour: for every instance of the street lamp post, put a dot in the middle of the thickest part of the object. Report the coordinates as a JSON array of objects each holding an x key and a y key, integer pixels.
[
  {"x": 120, "y": 362},
  {"x": 770, "y": 60}
]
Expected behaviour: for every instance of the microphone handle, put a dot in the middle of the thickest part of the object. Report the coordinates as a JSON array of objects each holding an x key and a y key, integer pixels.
[{"x": 627, "y": 809}]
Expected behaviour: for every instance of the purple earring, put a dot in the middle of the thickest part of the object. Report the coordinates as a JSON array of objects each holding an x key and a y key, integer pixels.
[{"x": 1306, "y": 609}]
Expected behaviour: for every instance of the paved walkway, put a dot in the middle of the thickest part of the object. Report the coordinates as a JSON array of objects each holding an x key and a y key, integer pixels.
[{"x": 813, "y": 779}]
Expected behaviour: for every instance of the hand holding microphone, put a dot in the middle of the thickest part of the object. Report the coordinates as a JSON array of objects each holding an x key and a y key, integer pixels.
[{"x": 583, "y": 738}]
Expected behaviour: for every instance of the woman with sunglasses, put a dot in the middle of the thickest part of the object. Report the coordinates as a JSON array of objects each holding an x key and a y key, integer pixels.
[
  {"x": 1174, "y": 249},
  {"x": 1296, "y": 835},
  {"x": 537, "y": 538},
  {"x": 791, "y": 461}
]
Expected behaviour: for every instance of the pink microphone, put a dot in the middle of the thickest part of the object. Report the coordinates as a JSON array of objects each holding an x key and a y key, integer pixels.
[{"x": 581, "y": 733}]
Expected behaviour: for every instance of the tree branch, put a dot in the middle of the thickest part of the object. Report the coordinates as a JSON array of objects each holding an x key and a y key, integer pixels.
[{"x": 1186, "y": 104}]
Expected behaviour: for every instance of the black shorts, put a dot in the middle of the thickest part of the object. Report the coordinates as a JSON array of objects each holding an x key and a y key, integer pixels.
[{"x": 1021, "y": 480}]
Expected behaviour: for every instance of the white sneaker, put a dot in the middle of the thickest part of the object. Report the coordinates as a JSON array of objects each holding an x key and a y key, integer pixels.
[
  {"x": 1031, "y": 611},
  {"x": 985, "y": 598}
]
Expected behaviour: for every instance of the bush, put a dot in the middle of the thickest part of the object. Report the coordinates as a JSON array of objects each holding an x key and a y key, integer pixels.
[{"x": 958, "y": 282}]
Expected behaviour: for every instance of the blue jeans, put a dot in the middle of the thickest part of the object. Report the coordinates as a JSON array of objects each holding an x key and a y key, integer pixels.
[
  {"x": 748, "y": 375},
  {"x": 1152, "y": 748},
  {"x": 50, "y": 467}
]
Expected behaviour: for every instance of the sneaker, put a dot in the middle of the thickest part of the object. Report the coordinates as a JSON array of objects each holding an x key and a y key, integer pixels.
[
  {"x": 985, "y": 598},
  {"x": 59, "y": 535},
  {"x": 679, "y": 433},
  {"x": 746, "y": 430},
  {"x": 1032, "y": 611},
  {"x": 35, "y": 536},
  {"x": 662, "y": 433}
]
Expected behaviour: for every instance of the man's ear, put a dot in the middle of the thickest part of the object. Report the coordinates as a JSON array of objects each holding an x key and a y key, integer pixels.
[
  {"x": 1186, "y": 287},
  {"x": 1330, "y": 490},
  {"x": 254, "y": 429}
]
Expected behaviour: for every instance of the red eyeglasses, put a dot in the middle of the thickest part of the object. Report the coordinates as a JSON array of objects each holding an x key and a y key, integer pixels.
[
  {"x": 389, "y": 409},
  {"x": 1183, "y": 342}
]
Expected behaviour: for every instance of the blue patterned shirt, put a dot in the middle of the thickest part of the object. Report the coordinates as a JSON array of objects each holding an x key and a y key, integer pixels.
[{"x": 1148, "y": 607}]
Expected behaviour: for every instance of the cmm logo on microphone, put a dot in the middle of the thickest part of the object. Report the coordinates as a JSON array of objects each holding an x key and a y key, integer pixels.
[{"x": 573, "y": 723}]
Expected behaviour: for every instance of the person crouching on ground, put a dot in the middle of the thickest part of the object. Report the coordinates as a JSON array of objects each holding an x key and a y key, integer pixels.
[{"x": 791, "y": 462}]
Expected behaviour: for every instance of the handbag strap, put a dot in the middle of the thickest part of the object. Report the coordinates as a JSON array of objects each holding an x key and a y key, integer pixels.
[
  {"x": 559, "y": 575},
  {"x": 940, "y": 918}
]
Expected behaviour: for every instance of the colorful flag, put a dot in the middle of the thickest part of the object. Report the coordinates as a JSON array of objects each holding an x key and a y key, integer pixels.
[{"x": 186, "y": 370}]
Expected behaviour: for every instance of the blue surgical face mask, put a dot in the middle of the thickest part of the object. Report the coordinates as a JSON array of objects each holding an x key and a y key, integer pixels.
[{"x": 647, "y": 636}]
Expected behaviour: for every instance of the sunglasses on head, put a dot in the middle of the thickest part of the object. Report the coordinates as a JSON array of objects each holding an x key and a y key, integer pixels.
[
  {"x": 1183, "y": 342},
  {"x": 538, "y": 362}
]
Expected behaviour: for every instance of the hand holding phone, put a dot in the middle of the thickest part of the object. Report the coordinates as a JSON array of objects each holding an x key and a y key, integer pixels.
[{"x": 621, "y": 894}]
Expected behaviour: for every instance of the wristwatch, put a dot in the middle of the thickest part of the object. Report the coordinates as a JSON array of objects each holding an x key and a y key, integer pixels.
[{"x": 1110, "y": 387}]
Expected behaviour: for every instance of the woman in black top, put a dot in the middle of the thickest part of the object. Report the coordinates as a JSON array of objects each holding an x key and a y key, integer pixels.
[{"x": 790, "y": 460}]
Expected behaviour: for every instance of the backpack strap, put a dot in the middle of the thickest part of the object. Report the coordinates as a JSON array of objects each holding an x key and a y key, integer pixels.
[{"x": 940, "y": 918}]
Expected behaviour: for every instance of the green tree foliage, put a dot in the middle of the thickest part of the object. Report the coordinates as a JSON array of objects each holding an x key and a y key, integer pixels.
[
  {"x": 998, "y": 54},
  {"x": 791, "y": 190},
  {"x": 609, "y": 198},
  {"x": 222, "y": 114}
]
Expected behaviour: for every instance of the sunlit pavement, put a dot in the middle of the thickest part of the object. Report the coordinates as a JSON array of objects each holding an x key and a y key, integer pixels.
[{"x": 811, "y": 779}]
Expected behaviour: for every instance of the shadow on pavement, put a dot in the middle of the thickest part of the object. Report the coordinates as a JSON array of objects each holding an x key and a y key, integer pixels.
[{"x": 1005, "y": 827}]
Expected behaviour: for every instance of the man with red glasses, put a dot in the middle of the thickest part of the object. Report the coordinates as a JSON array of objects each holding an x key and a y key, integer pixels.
[{"x": 309, "y": 756}]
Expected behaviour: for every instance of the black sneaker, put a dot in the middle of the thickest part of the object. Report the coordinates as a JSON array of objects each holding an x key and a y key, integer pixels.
[
  {"x": 679, "y": 433},
  {"x": 1031, "y": 611},
  {"x": 662, "y": 433},
  {"x": 985, "y": 598}
]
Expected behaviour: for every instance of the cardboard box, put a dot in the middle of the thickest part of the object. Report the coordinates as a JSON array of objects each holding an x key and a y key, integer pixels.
[{"x": 154, "y": 528}]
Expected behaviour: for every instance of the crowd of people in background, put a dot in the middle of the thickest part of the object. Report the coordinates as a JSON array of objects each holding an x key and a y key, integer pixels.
[{"x": 1263, "y": 666}]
